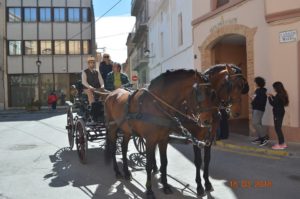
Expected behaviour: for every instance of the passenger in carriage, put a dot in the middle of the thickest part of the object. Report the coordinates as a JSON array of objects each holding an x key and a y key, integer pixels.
[
  {"x": 91, "y": 80},
  {"x": 105, "y": 66},
  {"x": 116, "y": 79}
]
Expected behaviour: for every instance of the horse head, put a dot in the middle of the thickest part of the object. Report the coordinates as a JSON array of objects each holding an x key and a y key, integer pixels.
[
  {"x": 229, "y": 84},
  {"x": 188, "y": 91}
]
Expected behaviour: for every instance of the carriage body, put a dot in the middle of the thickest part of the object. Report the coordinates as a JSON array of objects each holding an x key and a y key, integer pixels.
[{"x": 85, "y": 123}]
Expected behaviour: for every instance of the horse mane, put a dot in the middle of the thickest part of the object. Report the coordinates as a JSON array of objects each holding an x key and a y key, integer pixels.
[
  {"x": 219, "y": 67},
  {"x": 170, "y": 76}
]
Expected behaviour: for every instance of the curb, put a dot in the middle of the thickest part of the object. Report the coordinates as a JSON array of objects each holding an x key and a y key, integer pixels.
[{"x": 252, "y": 149}]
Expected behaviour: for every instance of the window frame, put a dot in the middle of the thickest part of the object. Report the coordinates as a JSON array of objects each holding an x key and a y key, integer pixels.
[
  {"x": 15, "y": 54},
  {"x": 36, "y": 50},
  {"x": 79, "y": 17},
  {"x": 64, "y": 15},
  {"x": 54, "y": 47},
  {"x": 8, "y": 14},
  {"x": 75, "y": 52},
  {"x": 88, "y": 47},
  {"x": 180, "y": 29},
  {"x": 44, "y": 52},
  {"x": 40, "y": 15},
  {"x": 24, "y": 15},
  {"x": 88, "y": 17}
]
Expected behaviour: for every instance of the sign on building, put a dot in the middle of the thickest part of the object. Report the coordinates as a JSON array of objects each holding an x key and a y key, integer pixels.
[{"x": 288, "y": 36}]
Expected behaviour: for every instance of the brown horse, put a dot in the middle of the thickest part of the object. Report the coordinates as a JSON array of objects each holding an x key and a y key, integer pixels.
[
  {"x": 229, "y": 84},
  {"x": 154, "y": 112}
]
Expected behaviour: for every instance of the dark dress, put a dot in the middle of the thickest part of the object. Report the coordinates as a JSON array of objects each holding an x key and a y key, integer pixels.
[{"x": 105, "y": 69}]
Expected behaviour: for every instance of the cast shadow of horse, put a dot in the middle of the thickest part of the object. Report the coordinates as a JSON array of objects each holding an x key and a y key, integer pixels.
[{"x": 68, "y": 171}]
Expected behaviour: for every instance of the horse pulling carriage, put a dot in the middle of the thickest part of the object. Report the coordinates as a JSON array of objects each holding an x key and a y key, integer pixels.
[{"x": 183, "y": 101}]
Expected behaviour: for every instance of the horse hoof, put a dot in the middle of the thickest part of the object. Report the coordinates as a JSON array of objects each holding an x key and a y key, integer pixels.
[
  {"x": 167, "y": 190},
  {"x": 200, "y": 191},
  {"x": 119, "y": 175},
  {"x": 128, "y": 176},
  {"x": 150, "y": 195},
  {"x": 208, "y": 187}
]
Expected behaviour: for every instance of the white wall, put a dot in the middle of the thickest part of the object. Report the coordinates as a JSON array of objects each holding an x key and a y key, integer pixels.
[{"x": 165, "y": 20}]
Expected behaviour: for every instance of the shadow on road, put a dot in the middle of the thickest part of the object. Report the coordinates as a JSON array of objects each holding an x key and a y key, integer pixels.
[{"x": 68, "y": 171}]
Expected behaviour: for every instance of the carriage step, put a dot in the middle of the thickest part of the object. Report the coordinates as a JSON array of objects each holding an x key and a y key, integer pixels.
[{"x": 178, "y": 139}]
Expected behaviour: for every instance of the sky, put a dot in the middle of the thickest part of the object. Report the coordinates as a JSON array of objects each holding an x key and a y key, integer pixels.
[{"x": 113, "y": 26}]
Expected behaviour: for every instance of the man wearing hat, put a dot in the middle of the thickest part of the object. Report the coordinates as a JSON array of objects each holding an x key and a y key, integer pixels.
[{"x": 91, "y": 79}]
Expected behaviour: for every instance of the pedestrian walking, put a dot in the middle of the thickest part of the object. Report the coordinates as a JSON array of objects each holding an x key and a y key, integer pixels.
[
  {"x": 259, "y": 100},
  {"x": 278, "y": 102},
  {"x": 52, "y": 100}
]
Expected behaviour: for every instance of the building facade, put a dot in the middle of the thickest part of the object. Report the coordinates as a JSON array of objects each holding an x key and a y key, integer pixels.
[
  {"x": 137, "y": 43},
  {"x": 260, "y": 36},
  {"x": 47, "y": 42},
  {"x": 170, "y": 36},
  {"x": 2, "y": 46}
]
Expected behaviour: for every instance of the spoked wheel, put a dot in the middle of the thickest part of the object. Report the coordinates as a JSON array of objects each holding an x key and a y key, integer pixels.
[
  {"x": 140, "y": 144},
  {"x": 70, "y": 127},
  {"x": 81, "y": 141}
]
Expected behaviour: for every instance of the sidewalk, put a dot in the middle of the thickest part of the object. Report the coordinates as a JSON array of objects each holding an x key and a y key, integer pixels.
[
  {"x": 242, "y": 144},
  {"x": 44, "y": 109}
]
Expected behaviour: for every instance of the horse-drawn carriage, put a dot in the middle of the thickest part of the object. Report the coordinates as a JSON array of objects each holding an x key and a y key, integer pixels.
[
  {"x": 156, "y": 112},
  {"x": 87, "y": 123}
]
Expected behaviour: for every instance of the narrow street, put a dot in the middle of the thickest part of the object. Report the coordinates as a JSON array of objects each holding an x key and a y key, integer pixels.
[{"x": 37, "y": 163}]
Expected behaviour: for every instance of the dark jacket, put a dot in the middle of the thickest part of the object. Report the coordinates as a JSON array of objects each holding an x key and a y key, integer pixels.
[
  {"x": 109, "y": 83},
  {"x": 278, "y": 105},
  {"x": 105, "y": 69},
  {"x": 92, "y": 78},
  {"x": 260, "y": 99}
]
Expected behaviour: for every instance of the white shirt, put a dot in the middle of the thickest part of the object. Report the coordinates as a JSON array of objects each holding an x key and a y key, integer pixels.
[{"x": 84, "y": 79}]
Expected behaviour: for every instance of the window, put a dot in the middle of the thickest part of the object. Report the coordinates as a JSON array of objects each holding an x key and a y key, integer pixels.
[
  {"x": 45, "y": 14},
  {"x": 15, "y": 47},
  {"x": 74, "y": 47},
  {"x": 59, "y": 15},
  {"x": 14, "y": 14},
  {"x": 73, "y": 15},
  {"x": 221, "y": 3},
  {"x": 86, "y": 47},
  {"x": 85, "y": 15},
  {"x": 60, "y": 47},
  {"x": 30, "y": 47},
  {"x": 46, "y": 47},
  {"x": 29, "y": 14},
  {"x": 161, "y": 44},
  {"x": 180, "y": 32}
]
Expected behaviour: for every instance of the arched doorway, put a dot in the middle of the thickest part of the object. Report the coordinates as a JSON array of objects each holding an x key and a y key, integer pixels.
[
  {"x": 226, "y": 40},
  {"x": 231, "y": 48}
]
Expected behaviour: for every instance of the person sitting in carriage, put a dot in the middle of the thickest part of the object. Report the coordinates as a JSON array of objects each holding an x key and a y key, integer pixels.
[
  {"x": 91, "y": 80},
  {"x": 116, "y": 79}
]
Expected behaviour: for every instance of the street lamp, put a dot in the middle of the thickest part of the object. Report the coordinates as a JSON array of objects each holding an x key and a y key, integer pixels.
[{"x": 38, "y": 65}]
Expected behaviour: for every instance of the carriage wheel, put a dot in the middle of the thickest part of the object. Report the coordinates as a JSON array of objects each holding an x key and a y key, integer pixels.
[
  {"x": 81, "y": 141},
  {"x": 70, "y": 127},
  {"x": 140, "y": 144}
]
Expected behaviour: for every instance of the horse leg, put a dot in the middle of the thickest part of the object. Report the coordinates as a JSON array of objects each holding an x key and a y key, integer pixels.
[
  {"x": 155, "y": 169},
  {"x": 197, "y": 163},
  {"x": 127, "y": 173},
  {"x": 163, "y": 168},
  {"x": 208, "y": 185},
  {"x": 113, "y": 138},
  {"x": 150, "y": 153}
]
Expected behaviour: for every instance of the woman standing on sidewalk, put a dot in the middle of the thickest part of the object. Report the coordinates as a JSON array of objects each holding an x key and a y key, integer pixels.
[{"x": 279, "y": 101}]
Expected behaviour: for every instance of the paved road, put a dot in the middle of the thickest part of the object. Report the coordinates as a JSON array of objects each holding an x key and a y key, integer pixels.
[{"x": 36, "y": 163}]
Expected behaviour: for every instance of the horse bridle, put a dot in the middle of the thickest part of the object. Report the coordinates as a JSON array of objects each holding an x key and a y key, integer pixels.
[{"x": 227, "y": 103}]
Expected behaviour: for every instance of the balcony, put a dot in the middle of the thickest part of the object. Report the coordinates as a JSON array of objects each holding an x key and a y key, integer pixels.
[
  {"x": 135, "y": 6},
  {"x": 140, "y": 30}
]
